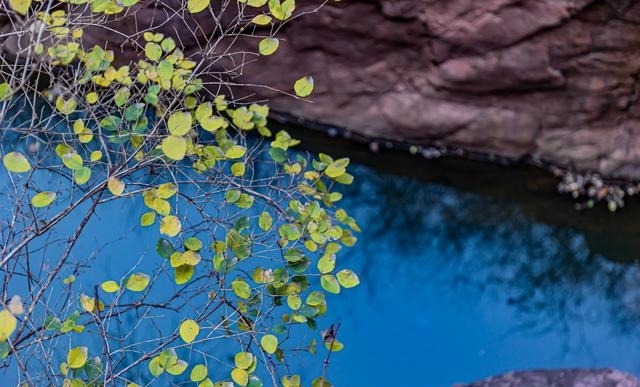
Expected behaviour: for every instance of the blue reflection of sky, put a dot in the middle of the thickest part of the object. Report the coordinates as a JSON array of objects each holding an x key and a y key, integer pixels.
[{"x": 456, "y": 287}]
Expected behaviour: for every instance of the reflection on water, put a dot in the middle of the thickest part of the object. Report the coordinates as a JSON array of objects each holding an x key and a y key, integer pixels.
[
  {"x": 459, "y": 286},
  {"x": 456, "y": 286}
]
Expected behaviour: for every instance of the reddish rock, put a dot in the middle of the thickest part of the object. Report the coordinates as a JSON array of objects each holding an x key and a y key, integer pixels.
[{"x": 555, "y": 80}]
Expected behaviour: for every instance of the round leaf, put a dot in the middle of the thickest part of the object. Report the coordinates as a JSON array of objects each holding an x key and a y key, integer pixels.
[
  {"x": 115, "y": 185},
  {"x": 198, "y": 373},
  {"x": 347, "y": 278},
  {"x": 170, "y": 225},
  {"x": 330, "y": 283},
  {"x": 174, "y": 147},
  {"x": 189, "y": 329},
  {"x": 179, "y": 123},
  {"x": 268, "y": 46},
  {"x": 303, "y": 86},
  {"x": 77, "y": 357},
  {"x": 240, "y": 376},
  {"x": 243, "y": 360},
  {"x": 137, "y": 282},
  {"x": 269, "y": 343}
]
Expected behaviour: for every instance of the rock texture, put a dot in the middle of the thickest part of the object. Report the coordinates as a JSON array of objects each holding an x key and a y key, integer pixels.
[
  {"x": 551, "y": 79},
  {"x": 559, "y": 378},
  {"x": 555, "y": 80}
]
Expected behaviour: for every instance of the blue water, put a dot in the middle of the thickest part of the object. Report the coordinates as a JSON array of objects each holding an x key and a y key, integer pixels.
[
  {"x": 458, "y": 287},
  {"x": 455, "y": 287}
]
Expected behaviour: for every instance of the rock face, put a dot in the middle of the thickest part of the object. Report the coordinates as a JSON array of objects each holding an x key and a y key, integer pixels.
[
  {"x": 559, "y": 378},
  {"x": 552, "y": 79},
  {"x": 555, "y": 80}
]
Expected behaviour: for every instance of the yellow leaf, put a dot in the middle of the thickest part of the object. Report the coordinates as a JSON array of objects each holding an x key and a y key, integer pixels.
[
  {"x": 166, "y": 190},
  {"x": 268, "y": 46},
  {"x": 174, "y": 147},
  {"x": 115, "y": 185},
  {"x": 240, "y": 376},
  {"x": 261, "y": 20},
  {"x": 180, "y": 123},
  {"x": 303, "y": 86},
  {"x": 8, "y": 323},
  {"x": 16, "y": 162},
  {"x": 110, "y": 286},
  {"x": 235, "y": 151},
  {"x": 20, "y": 6},
  {"x": 43, "y": 199},
  {"x": 90, "y": 304},
  {"x": 195, "y": 6},
  {"x": 95, "y": 156},
  {"x": 77, "y": 357},
  {"x": 137, "y": 282},
  {"x": 170, "y": 225},
  {"x": 189, "y": 329}
]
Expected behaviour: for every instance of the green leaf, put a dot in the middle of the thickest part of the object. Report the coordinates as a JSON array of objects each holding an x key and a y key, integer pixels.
[
  {"x": 241, "y": 288},
  {"x": 77, "y": 357},
  {"x": 315, "y": 298},
  {"x": 16, "y": 162},
  {"x": 82, "y": 175},
  {"x": 195, "y": 6},
  {"x": 5, "y": 91},
  {"x": 168, "y": 44},
  {"x": 330, "y": 283},
  {"x": 156, "y": 366},
  {"x": 20, "y": 6},
  {"x": 164, "y": 248},
  {"x": 261, "y": 20},
  {"x": 327, "y": 263},
  {"x": 153, "y": 51},
  {"x": 303, "y": 86},
  {"x": 174, "y": 147},
  {"x": 183, "y": 274},
  {"x": 137, "y": 282},
  {"x": 265, "y": 221},
  {"x": 193, "y": 244},
  {"x": 232, "y": 195},
  {"x": 235, "y": 152},
  {"x": 189, "y": 329},
  {"x": 268, "y": 46},
  {"x": 290, "y": 231},
  {"x": 294, "y": 302},
  {"x": 198, "y": 373},
  {"x": 177, "y": 368},
  {"x": 72, "y": 160},
  {"x": 148, "y": 218},
  {"x": 334, "y": 345},
  {"x": 347, "y": 278},
  {"x": 43, "y": 199},
  {"x": 179, "y": 123},
  {"x": 243, "y": 360},
  {"x": 269, "y": 343}
]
